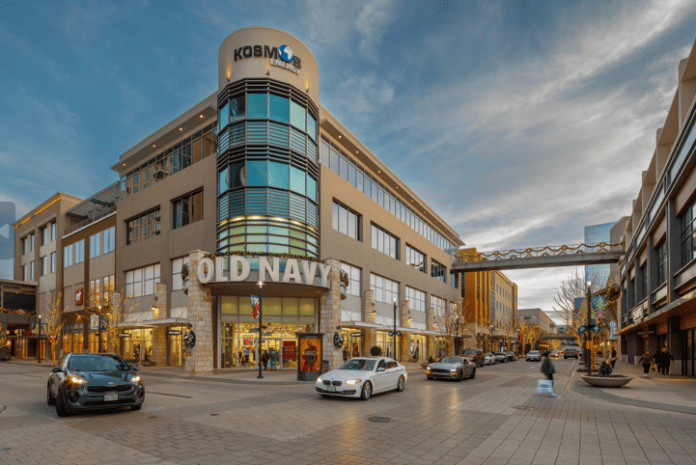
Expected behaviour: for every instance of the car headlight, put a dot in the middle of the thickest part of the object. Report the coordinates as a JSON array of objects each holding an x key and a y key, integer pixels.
[
  {"x": 76, "y": 380},
  {"x": 353, "y": 381},
  {"x": 135, "y": 379},
  {"x": 453, "y": 370},
  {"x": 319, "y": 380}
]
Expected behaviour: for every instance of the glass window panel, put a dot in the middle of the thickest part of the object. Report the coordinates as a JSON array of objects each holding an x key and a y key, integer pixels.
[
  {"x": 208, "y": 144},
  {"x": 229, "y": 306},
  {"x": 351, "y": 174},
  {"x": 197, "y": 150},
  {"x": 278, "y": 174},
  {"x": 237, "y": 176},
  {"x": 351, "y": 225},
  {"x": 306, "y": 307},
  {"x": 136, "y": 182},
  {"x": 311, "y": 188},
  {"x": 325, "y": 152},
  {"x": 311, "y": 126},
  {"x": 359, "y": 180},
  {"x": 335, "y": 215},
  {"x": 186, "y": 156},
  {"x": 290, "y": 307},
  {"x": 256, "y": 173},
  {"x": 223, "y": 117},
  {"x": 185, "y": 211},
  {"x": 344, "y": 168},
  {"x": 343, "y": 220},
  {"x": 271, "y": 306},
  {"x": 297, "y": 180},
  {"x": 223, "y": 180},
  {"x": 335, "y": 160},
  {"x": 280, "y": 108},
  {"x": 237, "y": 108},
  {"x": 197, "y": 207},
  {"x": 298, "y": 116},
  {"x": 257, "y": 105}
]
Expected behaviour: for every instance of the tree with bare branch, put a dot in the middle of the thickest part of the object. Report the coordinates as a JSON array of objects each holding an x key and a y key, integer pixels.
[
  {"x": 445, "y": 322},
  {"x": 114, "y": 315},
  {"x": 54, "y": 321},
  {"x": 530, "y": 334}
]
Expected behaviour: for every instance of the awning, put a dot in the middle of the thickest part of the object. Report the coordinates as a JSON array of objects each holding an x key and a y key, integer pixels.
[
  {"x": 166, "y": 322},
  {"x": 360, "y": 324}
]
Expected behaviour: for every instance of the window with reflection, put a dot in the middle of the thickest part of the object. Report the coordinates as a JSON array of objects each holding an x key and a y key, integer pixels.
[
  {"x": 415, "y": 258},
  {"x": 346, "y": 221},
  {"x": 257, "y": 106},
  {"x": 438, "y": 271},
  {"x": 278, "y": 175},
  {"x": 298, "y": 116},
  {"x": 279, "y": 108},
  {"x": 143, "y": 227},
  {"x": 384, "y": 242},
  {"x": 298, "y": 180},
  {"x": 257, "y": 173},
  {"x": 188, "y": 209},
  {"x": 237, "y": 108}
]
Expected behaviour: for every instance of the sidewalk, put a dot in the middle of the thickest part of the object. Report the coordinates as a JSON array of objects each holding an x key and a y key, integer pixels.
[{"x": 674, "y": 393}]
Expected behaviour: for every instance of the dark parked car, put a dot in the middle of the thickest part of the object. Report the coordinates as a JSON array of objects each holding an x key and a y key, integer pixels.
[
  {"x": 451, "y": 368},
  {"x": 94, "y": 381},
  {"x": 475, "y": 355},
  {"x": 512, "y": 357},
  {"x": 501, "y": 357}
]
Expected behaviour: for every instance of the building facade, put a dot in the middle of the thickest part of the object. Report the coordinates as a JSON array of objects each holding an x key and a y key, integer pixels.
[
  {"x": 658, "y": 274},
  {"x": 259, "y": 191},
  {"x": 595, "y": 234}
]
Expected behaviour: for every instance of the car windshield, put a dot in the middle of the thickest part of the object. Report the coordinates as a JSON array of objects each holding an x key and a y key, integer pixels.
[
  {"x": 489, "y": 355},
  {"x": 470, "y": 352},
  {"x": 534, "y": 352},
  {"x": 96, "y": 363},
  {"x": 451, "y": 360},
  {"x": 358, "y": 364}
]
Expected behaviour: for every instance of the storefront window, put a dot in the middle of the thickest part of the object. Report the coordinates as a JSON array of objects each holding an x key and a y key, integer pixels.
[
  {"x": 283, "y": 318},
  {"x": 138, "y": 347},
  {"x": 352, "y": 344},
  {"x": 419, "y": 347},
  {"x": 386, "y": 343},
  {"x": 176, "y": 348}
]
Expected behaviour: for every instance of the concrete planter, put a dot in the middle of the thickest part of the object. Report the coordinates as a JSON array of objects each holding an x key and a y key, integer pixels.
[{"x": 607, "y": 381}]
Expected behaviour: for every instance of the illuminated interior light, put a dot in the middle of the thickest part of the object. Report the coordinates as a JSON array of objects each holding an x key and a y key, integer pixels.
[
  {"x": 154, "y": 146},
  {"x": 201, "y": 116},
  {"x": 238, "y": 218},
  {"x": 181, "y": 129},
  {"x": 277, "y": 218},
  {"x": 255, "y": 217}
]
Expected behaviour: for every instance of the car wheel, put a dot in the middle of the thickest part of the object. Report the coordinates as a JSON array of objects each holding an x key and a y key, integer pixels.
[
  {"x": 49, "y": 398},
  {"x": 429, "y": 377},
  {"x": 366, "y": 391},
  {"x": 401, "y": 385},
  {"x": 61, "y": 409},
  {"x": 473, "y": 374},
  {"x": 137, "y": 407},
  {"x": 460, "y": 377}
]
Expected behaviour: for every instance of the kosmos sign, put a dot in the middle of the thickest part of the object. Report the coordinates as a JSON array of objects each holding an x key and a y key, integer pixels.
[{"x": 282, "y": 57}]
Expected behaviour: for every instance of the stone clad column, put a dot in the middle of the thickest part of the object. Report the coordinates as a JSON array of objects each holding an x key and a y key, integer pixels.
[
  {"x": 369, "y": 336},
  {"x": 430, "y": 326},
  {"x": 200, "y": 313},
  {"x": 159, "y": 333},
  {"x": 405, "y": 352},
  {"x": 330, "y": 315}
]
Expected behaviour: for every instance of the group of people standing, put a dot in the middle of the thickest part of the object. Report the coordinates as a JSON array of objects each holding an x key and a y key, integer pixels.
[
  {"x": 662, "y": 360},
  {"x": 267, "y": 357}
]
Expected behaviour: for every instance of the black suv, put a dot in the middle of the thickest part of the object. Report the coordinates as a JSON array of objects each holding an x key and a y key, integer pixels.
[{"x": 475, "y": 355}]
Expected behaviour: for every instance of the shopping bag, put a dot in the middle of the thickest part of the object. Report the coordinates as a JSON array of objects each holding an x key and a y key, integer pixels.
[{"x": 544, "y": 386}]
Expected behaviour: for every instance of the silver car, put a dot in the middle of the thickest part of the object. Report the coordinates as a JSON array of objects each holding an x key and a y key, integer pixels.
[
  {"x": 533, "y": 356},
  {"x": 489, "y": 359},
  {"x": 451, "y": 368}
]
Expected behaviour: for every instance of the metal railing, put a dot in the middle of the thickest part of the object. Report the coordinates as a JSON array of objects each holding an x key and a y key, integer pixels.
[
  {"x": 546, "y": 251},
  {"x": 93, "y": 216}
]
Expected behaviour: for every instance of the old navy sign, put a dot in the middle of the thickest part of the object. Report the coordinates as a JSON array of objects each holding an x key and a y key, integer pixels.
[
  {"x": 210, "y": 271},
  {"x": 282, "y": 57}
]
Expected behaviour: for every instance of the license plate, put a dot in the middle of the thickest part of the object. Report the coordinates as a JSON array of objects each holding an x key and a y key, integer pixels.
[
  {"x": 331, "y": 388},
  {"x": 110, "y": 396}
]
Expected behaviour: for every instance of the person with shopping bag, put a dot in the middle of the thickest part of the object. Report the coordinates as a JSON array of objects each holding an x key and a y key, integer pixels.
[{"x": 548, "y": 369}]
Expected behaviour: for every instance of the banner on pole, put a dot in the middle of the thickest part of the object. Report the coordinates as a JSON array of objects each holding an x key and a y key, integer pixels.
[{"x": 255, "y": 306}]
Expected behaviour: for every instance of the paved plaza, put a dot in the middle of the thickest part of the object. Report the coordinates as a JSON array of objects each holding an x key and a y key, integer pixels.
[{"x": 494, "y": 419}]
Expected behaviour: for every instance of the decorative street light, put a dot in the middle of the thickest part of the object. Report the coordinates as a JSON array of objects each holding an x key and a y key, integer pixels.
[
  {"x": 586, "y": 351},
  {"x": 38, "y": 343},
  {"x": 394, "y": 340},
  {"x": 258, "y": 347}
]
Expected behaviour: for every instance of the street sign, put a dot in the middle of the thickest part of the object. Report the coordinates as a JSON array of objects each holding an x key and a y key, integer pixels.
[
  {"x": 391, "y": 333},
  {"x": 125, "y": 335},
  {"x": 398, "y": 333},
  {"x": 254, "y": 330},
  {"x": 173, "y": 332},
  {"x": 596, "y": 329},
  {"x": 355, "y": 334},
  {"x": 582, "y": 329},
  {"x": 267, "y": 334}
]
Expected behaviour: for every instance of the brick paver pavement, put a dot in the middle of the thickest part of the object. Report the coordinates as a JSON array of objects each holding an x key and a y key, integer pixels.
[{"x": 494, "y": 419}]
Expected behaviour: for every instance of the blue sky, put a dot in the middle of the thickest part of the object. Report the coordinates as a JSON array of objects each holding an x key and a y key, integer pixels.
[{"x": 520, "y": 122}]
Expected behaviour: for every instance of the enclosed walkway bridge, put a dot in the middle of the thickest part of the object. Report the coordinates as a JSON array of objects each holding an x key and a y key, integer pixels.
[{"x": 539, "y": 257}]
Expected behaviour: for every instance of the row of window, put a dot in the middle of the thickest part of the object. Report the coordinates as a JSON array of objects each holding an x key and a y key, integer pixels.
[
  {"x": 141, "y": 281},
  {"x": 267, "y": 106},
  {"x": 100, "y": 290},
  {"x": 143, "y": 227},
  {"x": 267, "y": 173},
  {"x": 347, "y": 221},
  {"x": 187, "y": 210},
  {"x": 107, "y": 238},
  {"x": 74, "y": 253},
  {"x": 344, "y": 166},
  {"x": 269, "y": 234},
  {"x": 415, "y": 259},
  {"x": 180, "y": 156}
]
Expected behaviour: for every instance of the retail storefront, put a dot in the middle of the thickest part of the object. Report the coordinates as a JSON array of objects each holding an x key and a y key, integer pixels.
[{"x": 283, "y": 318}]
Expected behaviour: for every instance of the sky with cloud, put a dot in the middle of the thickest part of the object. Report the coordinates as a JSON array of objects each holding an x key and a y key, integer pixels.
[{"x": 518, "y": 121}]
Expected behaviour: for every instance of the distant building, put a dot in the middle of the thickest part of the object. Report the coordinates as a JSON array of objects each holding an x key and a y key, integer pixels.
[
  {"x": 595, "y": 234},
  {"x": 537, "y": 317}
]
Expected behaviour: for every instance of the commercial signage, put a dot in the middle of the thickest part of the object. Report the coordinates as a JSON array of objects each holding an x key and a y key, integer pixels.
[
  {"x": 125, "y": 335},
  {"x": 289, "y": 350},
  {"x": 210, "y": 271},
  {"x": 173, "y": 332},
  {"x": 612, "y": 329},
  {"x": 79, "y": 296},
  {"x": 637, "y": 314},
  {"x": 282, "y": 57},
  {"x": 355, "y": 334},
  {"x": 94, "y": 323},
  {"x": 256, "y": 306}
]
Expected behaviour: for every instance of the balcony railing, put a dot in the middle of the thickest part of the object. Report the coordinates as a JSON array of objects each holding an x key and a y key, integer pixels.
[{"x": 93, "y": 216}]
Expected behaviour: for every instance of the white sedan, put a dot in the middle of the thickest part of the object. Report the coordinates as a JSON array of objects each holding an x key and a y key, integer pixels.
[{"x": 363, "y": 376}]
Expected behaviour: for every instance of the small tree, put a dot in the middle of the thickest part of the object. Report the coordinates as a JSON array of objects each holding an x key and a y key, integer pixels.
[
  {"x": 115, "y": 315},
  {"x": 446, "y": 321},
  {"x": 54, "y": 321},
  {"x": 530, "y": 334}
]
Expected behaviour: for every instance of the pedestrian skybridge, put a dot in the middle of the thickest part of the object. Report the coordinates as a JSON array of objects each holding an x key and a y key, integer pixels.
[{"x": 540, "y": 257}]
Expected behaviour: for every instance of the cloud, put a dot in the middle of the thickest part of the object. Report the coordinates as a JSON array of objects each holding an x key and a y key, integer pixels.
[{"x": 372, "y": 23}]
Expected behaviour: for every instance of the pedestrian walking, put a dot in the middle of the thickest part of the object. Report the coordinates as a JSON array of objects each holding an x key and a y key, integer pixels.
[
  {"x": 663, "y": 360},
  {"x": 274, "y": 358},
  {"x": 265, "y": 358},
  {"x": 612, "y": 359},
  {"x": 646, "y": 360},
  {"x": 247, "y": 352},
  {"x": 548, "y": 369}
]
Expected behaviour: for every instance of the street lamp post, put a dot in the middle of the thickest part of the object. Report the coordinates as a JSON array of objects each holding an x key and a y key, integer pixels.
[
  {"x": 258, "y": 347},
  {"x": 38, "y": 343},
  {"x": 394, "y": 340},
  {"x": 588, "y": 358}
]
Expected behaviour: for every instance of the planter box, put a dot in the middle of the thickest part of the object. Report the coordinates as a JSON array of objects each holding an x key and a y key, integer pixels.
[{"x": 607, "y": 381}]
